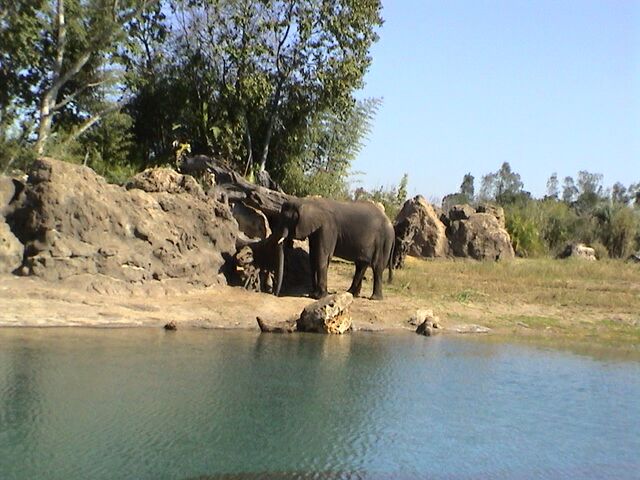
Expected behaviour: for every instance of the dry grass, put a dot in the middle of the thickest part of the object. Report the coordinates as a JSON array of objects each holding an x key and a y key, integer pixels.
[{"x": 528, "y": 297}]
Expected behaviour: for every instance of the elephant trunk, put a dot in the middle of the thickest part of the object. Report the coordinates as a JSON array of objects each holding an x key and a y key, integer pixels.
[{"x": 280, "y": 266}]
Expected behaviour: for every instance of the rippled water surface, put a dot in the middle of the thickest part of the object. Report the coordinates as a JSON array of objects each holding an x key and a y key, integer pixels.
[{"x": 142, "y": 404}]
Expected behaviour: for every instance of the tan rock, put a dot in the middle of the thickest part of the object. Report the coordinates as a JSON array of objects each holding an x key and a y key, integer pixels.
[
  {"x": 419, "y": 231},
  {"x": 327, "y": 315}
]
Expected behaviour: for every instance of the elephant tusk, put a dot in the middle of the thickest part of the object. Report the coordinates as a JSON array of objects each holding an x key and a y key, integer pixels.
[{"x": 281, "y": 240}]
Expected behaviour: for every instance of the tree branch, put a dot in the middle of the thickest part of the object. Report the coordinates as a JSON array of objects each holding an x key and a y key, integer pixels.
[{"x": 91, "y": 121}]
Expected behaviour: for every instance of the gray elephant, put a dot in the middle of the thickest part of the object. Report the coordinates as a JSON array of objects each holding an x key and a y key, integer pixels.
[{"x": 356, "y": 231}]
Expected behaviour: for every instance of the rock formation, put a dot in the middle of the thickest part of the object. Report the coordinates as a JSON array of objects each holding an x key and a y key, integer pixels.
[
  {"x": 328, "y": 315},
  {"x": 11, "y": 249},
  {"x": 479, "y": 236},
  {"x": 162, "y": 226},
  {"x": 419, "y": 232},
  {"x": 463, "y": 231},
  {"x": 426, "y": 322},
  {"x": 579, "y": 251}
]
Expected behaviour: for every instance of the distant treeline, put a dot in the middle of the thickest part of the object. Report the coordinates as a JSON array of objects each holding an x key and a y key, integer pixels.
[{"x": 578, "y": 210}]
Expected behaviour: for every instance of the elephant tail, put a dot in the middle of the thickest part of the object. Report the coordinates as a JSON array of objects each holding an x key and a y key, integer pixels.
[{"x": 390, "y": 265}]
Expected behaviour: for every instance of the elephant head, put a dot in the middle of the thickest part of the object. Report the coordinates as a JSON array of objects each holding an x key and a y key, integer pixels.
[{"x": 297, "y": 220}]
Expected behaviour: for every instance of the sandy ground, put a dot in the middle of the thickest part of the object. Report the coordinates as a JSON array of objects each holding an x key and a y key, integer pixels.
[{"x": 99, "y": 302}]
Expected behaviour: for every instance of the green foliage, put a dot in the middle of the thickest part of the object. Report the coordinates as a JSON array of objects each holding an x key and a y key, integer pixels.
[
  {"x": 618, "y": 227},
  {"x": 262, "y": 84},
  {"x": 392, "y": 198},
  {"x": 503, "y": 186},
  {"x": 523, "y": 225}
]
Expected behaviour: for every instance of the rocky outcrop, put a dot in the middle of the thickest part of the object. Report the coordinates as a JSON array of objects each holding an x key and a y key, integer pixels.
[
  {"x": 426, "y": 322},
  {"x": 464, "y": 231},
  {"x": 479, "y": 236},
  {"x": 11, "y": 249},
  {"x": 328, "y": 315},
  {"x": 419, "y": 232},
  {"x": 495, "y": 210},
  {"x": 579, "y": 251},
  {"x": 162, "y": 226}
]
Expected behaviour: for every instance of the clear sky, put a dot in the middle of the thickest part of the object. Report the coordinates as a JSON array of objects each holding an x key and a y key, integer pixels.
[{"x": 548, "y": 86}]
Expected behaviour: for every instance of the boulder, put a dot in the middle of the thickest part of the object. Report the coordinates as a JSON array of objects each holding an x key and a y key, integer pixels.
[
  {"x": 460, "y": 212},
  {"x": 495, "y": 210},
  {"x": 419, "y": 232},
  {"x": 327, "y": 315},
  {"x": 11, "y": 250},
  {"x": 480, "y": 236},
  {"x": 579, "y": 251},
  {"x": 423, "y": 315},
  {"x": 162, "y": 226},
  {"x": 426, "y": 322}
]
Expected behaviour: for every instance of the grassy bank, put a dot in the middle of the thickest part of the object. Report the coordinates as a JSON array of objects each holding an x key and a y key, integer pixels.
[{"x": 541, "y": 297}]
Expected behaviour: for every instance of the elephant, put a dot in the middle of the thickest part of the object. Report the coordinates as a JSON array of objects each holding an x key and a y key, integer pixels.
[{"x": 356, "y": 231}]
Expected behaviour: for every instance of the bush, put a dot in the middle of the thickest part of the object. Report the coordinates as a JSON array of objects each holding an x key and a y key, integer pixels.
[{"x": 524, "y": 232}]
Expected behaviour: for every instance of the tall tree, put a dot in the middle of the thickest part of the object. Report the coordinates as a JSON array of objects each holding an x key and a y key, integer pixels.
[
  {"x": 76, "y": 72},
  {"x": 569, "y": 190},
  {"x": 553, "y": 186},
  {"x": 467, "y": 189},
  {"x": 503, "y": 186},
  {"x": 590, "y": 190},
  {"x": 265, "y": 68}
]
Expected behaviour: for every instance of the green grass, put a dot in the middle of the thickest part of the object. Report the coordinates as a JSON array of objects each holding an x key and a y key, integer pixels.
[{"x": 571, "y": 298}]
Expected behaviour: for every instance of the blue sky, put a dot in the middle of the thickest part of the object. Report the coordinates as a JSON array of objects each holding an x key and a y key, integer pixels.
[{"x": 548, "y": 86}]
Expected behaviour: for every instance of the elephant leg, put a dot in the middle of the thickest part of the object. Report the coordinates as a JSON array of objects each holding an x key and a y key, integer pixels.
[
  {"x": 356, "y": 284},
  {"x": 321, "y": 290},
  {"x": 314, "y": 261},
  {"x": 377, "y": 282}
]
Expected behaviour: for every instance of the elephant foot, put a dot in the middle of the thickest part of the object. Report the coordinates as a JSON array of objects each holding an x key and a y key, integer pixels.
[
  {"x": 376, "y": 296},
  {"x": 354, "y": 292},
  {"x": 318, "y": 294}
]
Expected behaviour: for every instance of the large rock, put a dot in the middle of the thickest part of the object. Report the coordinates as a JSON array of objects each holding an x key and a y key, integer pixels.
[
  {"x": 579, "y": 251},
  {"x": 480, "y": 236},
  {"x": 328, "y": 315},
  {"x": 419, "y": 231},
  {"x": 73, "y": 222},
  {"x": 11, "y": 250},
  {"x": 495, "y": 210}
]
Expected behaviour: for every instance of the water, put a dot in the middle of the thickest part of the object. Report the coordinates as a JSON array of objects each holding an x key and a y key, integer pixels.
[{"x": 142, "y": 404}]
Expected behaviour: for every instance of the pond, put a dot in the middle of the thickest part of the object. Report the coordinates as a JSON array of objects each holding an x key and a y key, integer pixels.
[{"x": 145, "y": 404}]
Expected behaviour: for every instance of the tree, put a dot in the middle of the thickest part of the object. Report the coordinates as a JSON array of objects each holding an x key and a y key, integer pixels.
[
  {"x": 74, "y": 74},
  {"x": 503, "y": 186},
  {"x": 569, "y": 190},
  {"x": 553, "y": 188},
  {"x": 619, "y": 194},
  {"x": 261, "y": 70},
  {"x": 467, "y": 189},
  {"x": 590, "y": 190},
  {"x": 330, "y": 144}
]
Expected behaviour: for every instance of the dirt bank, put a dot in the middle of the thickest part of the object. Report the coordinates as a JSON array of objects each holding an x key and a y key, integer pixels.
[{"x": 98, "y": 302}]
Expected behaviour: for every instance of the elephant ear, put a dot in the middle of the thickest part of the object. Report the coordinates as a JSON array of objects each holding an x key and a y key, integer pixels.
[{"x": 311, "y": 218}]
